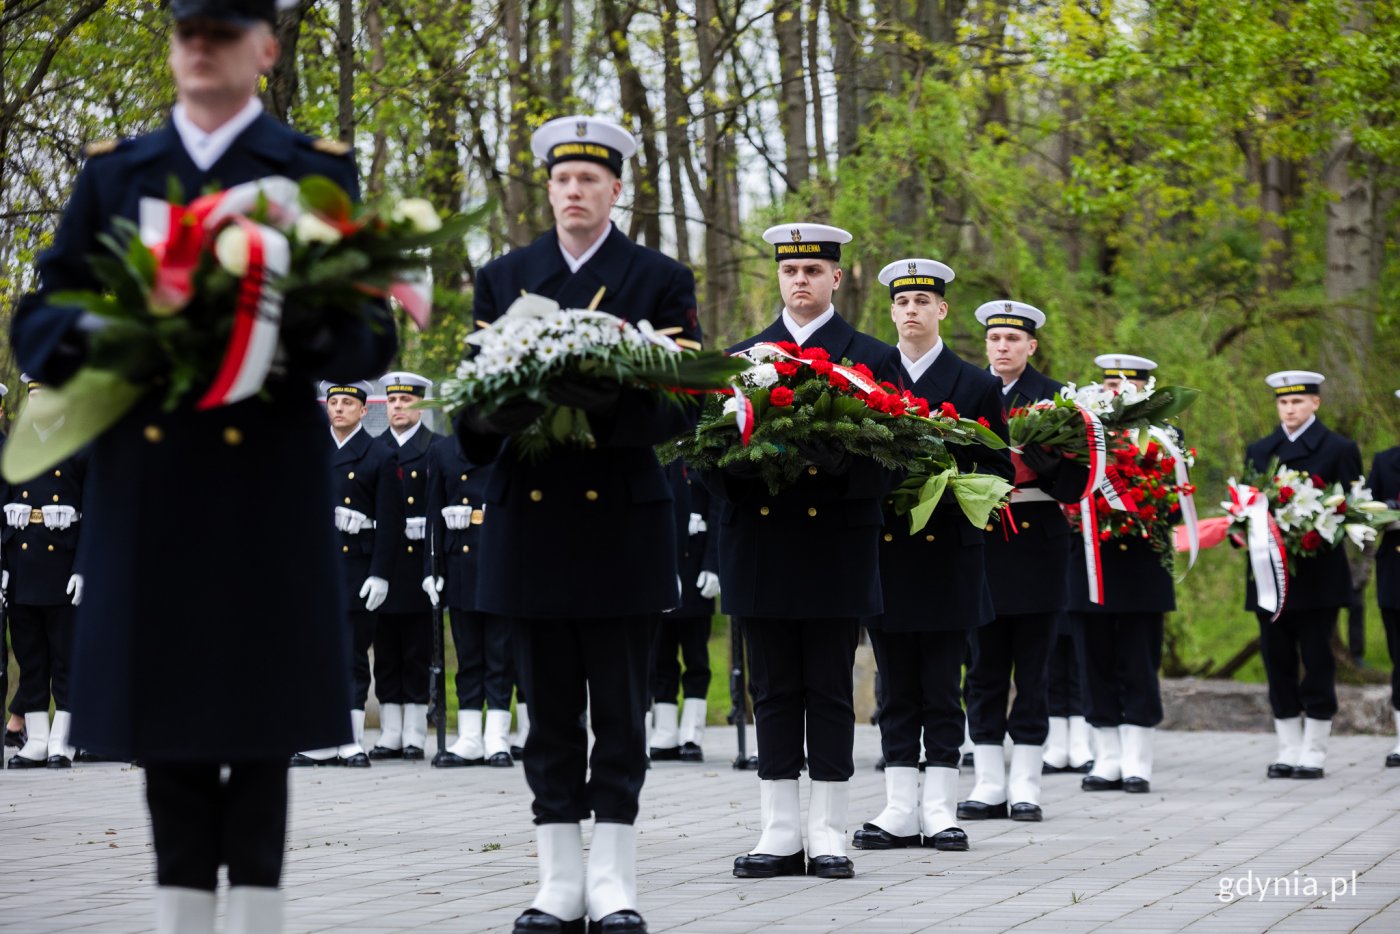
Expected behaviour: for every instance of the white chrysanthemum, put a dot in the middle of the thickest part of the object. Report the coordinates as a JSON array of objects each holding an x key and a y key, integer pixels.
[
  {"x": 761, "y": 376},
  {"x": 760, "y": 353}
]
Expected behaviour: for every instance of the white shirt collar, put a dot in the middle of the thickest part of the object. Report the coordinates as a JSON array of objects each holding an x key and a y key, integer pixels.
[
  {"x": 206, "y": 148},
  {"x": 1295, "y": 435},
  {"x": 917, "y": 368},
  {"x": 800, "y": 332},
  {"x": 576, "y": 264},
  {"x": 1006, "y": 387},
  {"x": 340, "y": 444},
  {"x": 402, "y": 439}
]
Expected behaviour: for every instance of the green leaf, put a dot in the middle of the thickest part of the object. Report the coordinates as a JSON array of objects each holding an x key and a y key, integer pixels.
[
  {"x": 88, "y": 404},
  {"x": 325, "y": 197},
  {"x": 978, "y": 494},
  {"x": 929, "y": 495}
]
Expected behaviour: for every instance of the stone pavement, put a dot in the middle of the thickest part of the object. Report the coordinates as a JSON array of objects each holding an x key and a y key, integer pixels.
[{"x": 406, "y": 847}]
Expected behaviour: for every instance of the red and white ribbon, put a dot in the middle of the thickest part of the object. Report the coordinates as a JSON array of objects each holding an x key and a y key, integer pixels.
[
  {"x": 257, "y": 319},
  {"x": 743, "y": 415},
  {"x": 1185, "y": 500},
  {"x": 1093, "y": 558},
  {"x": 1268, "y": 557},
  {"x": 859, "y": 380}
]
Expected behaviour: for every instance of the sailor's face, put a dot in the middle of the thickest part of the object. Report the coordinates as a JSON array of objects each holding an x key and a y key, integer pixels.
[
  {"x": 402, "y": 415},
  {"x": 1295, "y": 409},
  {"x": 1009, "y": 349},
  {"x": 916, "y": 314},
  {"x": 213, "y": 60},
  {"x": 345, "y": 411},
  {"x": 807, "y": 284},
  {"x": 582, "y": 195}
]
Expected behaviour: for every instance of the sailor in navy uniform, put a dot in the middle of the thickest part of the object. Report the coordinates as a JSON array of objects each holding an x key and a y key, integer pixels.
[
  {"x": 1318, "y": 587},
  {"x": 403, "y": 628},
  {"x": 365, "y": 485},
  {"x": 1384, "y": 481},
  {"x": 485, "y": 669},
  {"x": 801, "y": 616},
  {"x": 920, "y": 638},
  {"x": 43, "y": 518},
  {"x": 169, "y": 492},
  {"x": 1119, "y": 641},
  {"x": 679, "y": 732},
  {"x": 583, "y": 616},
  {"x": 1026, "y": 555}
]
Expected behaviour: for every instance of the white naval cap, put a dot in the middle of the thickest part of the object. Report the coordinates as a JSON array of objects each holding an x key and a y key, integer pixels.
[
  {"x": 1004, "y": 313},
  {"x": 1125, "y": 365},
  {"x": 404, "y": 381},
  {"x": 1293, "y": 382},
  {"x": 360, "y": 389},
  {"x": 806, "y": 241},
  {"x": 592, "y": 139},
  {"x": 4, "y": 390},
  {"x": 30, "y": 383},
  {"x": 916, "y": 275}
]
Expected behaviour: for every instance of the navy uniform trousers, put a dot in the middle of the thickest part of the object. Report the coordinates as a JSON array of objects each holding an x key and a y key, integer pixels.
[
  {"x": 1063, "y": 685},
  {"x": 1384, "y": 481}
]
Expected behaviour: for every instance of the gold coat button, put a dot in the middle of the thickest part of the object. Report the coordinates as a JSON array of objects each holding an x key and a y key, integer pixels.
[
  {"x": 812, "y": 471},
  {"x": 410, "y": 549},
  {"x": 55, "y": 497},
  {"x": 536, "y": 495},
  {"x": 58, "y": 473},
  {"x": 763, "y": 510},
  {"x": 464, "y": 476},
  {"x": 413, "y": 474},
  {"x": 466, "y": 548},
  {"x": 1123, "y": 547},
  {"x": 23, "y": 546},
  {"x": 232, "y": 436},
  {"x": 928, "y": 538},
  {"x": 889, "y": 537},
  {"x": 153, "y": 434},
  {"x": 811, "y": 510},
  {"x": 591, "y": 496},
  {"x": 350, "y": 475},
  {"x": 50, "y": 548},
  {"x": 988, "y": 527},
  {"x": 1025, "y": 525},
  {"x": 24, "y": 495},
  {"x": 347, "y": 501},
  {"x": 345, "y": 548},
  {"x": 465, "y": 501},
  {"x": 410, "y": 501}
]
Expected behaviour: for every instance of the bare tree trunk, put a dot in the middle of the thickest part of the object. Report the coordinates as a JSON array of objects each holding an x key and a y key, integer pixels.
[
  {"x": 345, "y": 62},
  {"x": 792, "y": 96},
  {"x": 646, "y": 188},
  {"x": 677, "y": 119},
  {"x": 1349, "y": 281},
  {"x": 517, "y": 204},
  {"x": 846, "y": 65},
  {"x": 719, "y": 199},
  {"x": 1278, "y": 187},
  {"x": 379, "y": 157},
  {"x": 561, "y": 59},
  {"x": 814, "y": 36},
  {"x": 281, "y": 93}
]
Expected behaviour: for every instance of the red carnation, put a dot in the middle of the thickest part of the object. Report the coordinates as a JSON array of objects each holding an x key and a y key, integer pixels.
[
  {"x": 780, "y": 396},
  {"x": 822, "y": 367},
  {"x": 837, "y": 381},
  {"x": 948, "y": 410},
  {"x": 1342, "y": 508},
  {"x": 981, "y": 420},
  {"x": 788, "y": 346},
  {"x": 919, "y": 405},
  {"x": 864, "y": 370},
  {"x": 1147, "y": 513},
  {"x": 814, "y": 353},
  {"x": 888, "y": 386},
  {"x": 1317, "y": 481},
  {"x": 786, "y": 367},
  {"x": 1285, "y": 493},
  {"x": 1312, "y": 541}
]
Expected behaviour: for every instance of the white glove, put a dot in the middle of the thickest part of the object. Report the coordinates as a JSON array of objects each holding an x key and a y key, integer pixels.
[
  {"x": 59, "y": 517},
  {"x": 432, "y": 586},
  {"x": 17, "y": 515},
  {"x": 414, "y": 527},
  {"x": 708, "y": 582},
  {"x": 349, "y": 521},
  {"x": 697, "y": 523},
  {"x": 75, "y": 587},
  {"x": 457, "y": 517},
  {"x": 4, "y": 587},
  {"x": 373, "y": 591}
]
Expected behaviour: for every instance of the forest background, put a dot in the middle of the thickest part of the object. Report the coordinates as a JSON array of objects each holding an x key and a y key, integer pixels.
[{"x": 1210, "y": 183}]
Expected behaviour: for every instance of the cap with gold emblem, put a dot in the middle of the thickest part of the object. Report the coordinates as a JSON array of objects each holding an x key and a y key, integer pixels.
[
  {"x": 1295, "y": 382},
  {"x": 242, "y": 13},
  {"x": 591, "y": 139},
  {"x": 806, "y": 241},
  {"x": 1004, "y": 313},
  {"x": 359, "y": 389},
  {"x": 916, "y": 275},
  {"x": 1124, "y": 366},
  {"x": 402, "y": 381}
]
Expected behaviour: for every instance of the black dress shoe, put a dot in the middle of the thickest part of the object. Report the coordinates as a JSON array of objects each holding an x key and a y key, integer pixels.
[
  {"x": 618, "y": 922},
  {"x": 358, "y": 761},
  {"x": 413, "y": 753},
  {"x": 976, "y": 810},
  {"x": 1084, "y": 769},
  {"x": 1137, "y": 786},
  {"x": 967, "y": 759},
  {"x": 501, "y": 760},
  {"x": 450, "y": 760},
  {"x": 753, "y": 763},
  {"x": 1392, "y": 761},
  {"x": 1027, "y": 812},
  {"x": 84, "y": 756},
  {"x": 1094, "y": 783},
  {"x": 534, "y": 921},
  {"x": 831, "y": 867},
  {"x": 20, "y": 762},
  {"x": 1306, "y": 771},
  {"x": 1048, "y": 769},
  {"x": 517, "y": 753},
  {"x": 16, "y": 738},
  {"x": 383, "y": 752},
  {"x": 880, "y": 764},
  {"x": 952, "y": 840},
  {"x": 691, "y": 752},
  {"x": 302, "y": 760},
  {"x": 871, "y": 837},
  {"x": 764, "y": 866},
  {"x": 665, "y": 753},
  {"x": 1279, "y": 770},
  {"x": 60, "y": 762}
]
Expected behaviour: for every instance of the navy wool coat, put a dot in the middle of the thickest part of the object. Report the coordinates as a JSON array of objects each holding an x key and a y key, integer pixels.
[
  {"x": 211, "y": 627},
  {"x": 365, "y": 478},
  {"x": 1324, "y": 581},
  {"x": 1384, "y": 482},
  {"x": 456, "y": 553},
  {"x": 585, "y": 533},
  {"x": 936, "y": 578},
  {"x": 406, "y": 581},
  {"x": 812, "y": 550}
]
